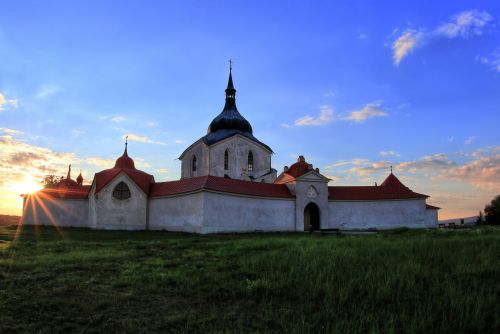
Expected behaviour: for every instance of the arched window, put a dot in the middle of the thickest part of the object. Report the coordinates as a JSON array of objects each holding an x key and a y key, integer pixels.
[
  {"x": 250, "y": 164},
  {"x": 193, "y": 164},
  {"x": 121, "y": 191},
  {"x": 226, "y": 161}
]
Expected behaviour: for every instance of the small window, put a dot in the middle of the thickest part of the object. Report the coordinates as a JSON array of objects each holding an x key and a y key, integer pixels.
[
  {"x": 121, "y": 191},
  {"x": 250, "y": 163},
  {"x": 193, "y": 164},
  {"x": 226, "y": 160}
]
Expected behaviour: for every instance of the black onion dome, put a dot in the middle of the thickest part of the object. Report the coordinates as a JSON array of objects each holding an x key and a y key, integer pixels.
[{"x": 230, "y": 118}]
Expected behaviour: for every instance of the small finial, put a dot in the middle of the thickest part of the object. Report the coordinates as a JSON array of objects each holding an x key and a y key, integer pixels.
[
  {"x": 391, "y": 169},
  {"x": 230, "y": 64},
  {"x": 69, "y": 172}
]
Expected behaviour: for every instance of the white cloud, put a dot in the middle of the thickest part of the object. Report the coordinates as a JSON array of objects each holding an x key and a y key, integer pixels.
[
  {"x": 405, "y": 44},
  {"x": 179, "y": 141},
  {"x": 47, "y": 90},
  {"x": 469, "y": 140},
  {"x": 465, "y": 24},
  {"x": 142, "y": 139},
  {"x": 151, "y": 124},
  {"x": 325, "y": 117},
  {"x": 493, "y": 60},
  {"x": 388, "y": 154},
  {"x": 10, "y": 131},
  {"x": 285, "y": 125},
  {"x": 370, "y": 110},
  {"x": 117, "y": 119},
  {"x": 100, "y": 162},
  {"x": 5, "y": 102}
]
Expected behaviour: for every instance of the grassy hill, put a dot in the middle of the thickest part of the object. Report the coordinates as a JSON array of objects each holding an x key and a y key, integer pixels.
[{"x": 84, "y": 281}]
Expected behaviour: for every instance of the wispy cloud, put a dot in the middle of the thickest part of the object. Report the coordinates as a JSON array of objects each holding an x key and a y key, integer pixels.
[
  {"x": 6, "y": 103},
  {"x": 493, "y": 60},
  {"x": 100, "y": 162},
  {"x": 370, "y": 110},
  {"x": 405, "y": 44},
  {"x": 469, "y": 140},
  {"x": 46, "y": 90},
  {"x": 325, "y": 116},
  {"x": 465, "y": 25},
  {"x": 142, "y": 139},
  {"x": 388, "y": 154},
  {"x": 483, "y": 172},
  {"x": 438, "y": 161},
  {"x": 117, "y": 119}
]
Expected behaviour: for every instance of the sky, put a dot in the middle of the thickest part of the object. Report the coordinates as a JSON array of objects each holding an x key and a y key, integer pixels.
[{"x": 354, "y": 86}]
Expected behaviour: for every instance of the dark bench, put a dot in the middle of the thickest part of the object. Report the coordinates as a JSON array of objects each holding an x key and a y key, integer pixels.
[{"x": 324, "y": 231}]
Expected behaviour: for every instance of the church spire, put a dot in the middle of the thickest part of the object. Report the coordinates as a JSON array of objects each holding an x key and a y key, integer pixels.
[
  {"x": 68, "y": 177},
  {"x": 126, "y": 144},
  {"x": 230, "y": 91}
]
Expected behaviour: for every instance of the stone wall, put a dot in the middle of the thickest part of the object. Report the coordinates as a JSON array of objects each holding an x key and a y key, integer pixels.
[
  {"x": 233, "y": 213},
  {"x": 177, "y": 213},
  {"x": 55, "y": 212},
  {"x": 385, "y": 214}
]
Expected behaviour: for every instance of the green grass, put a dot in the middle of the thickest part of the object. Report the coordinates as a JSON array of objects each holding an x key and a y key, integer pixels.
[{"x": 86, "y": 281}]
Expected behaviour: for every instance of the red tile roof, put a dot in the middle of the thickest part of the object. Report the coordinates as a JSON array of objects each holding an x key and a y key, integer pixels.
[
  {"x": 76, "y": 192},
  {"x": 369, "y": 193},
  {"x": 391, "y": 188},
  {"x": 299, "y": 168},
  {"x": 431, "y": 207},
  {"x": 142, "y": 179},
  {"x": 209, "y": 182}
]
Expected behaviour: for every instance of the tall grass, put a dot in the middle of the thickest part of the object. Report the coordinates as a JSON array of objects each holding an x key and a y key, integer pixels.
[{"x": 142, "y": 282}]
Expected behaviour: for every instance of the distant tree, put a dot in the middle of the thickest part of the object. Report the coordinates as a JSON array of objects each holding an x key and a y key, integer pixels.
[
  {"x": 492, "y": 212},
  {"x": 51, "y": 181},
  {"x": 480, "y": 218}
]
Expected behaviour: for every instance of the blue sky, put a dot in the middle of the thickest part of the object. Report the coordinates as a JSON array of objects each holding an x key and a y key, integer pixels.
[{"x": 353, "y": 86}]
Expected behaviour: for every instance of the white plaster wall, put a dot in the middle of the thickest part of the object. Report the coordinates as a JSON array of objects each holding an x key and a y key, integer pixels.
[
  {"x": 114, "y": 214},
  {"x": 231, "y": 213},
  {"x": 177, "y": 213},
  {"x": 377, "y": 214},
  {"x": 432, "y": 218},
  {"x": 239, "y": 147},
  {"x": 200, "y": 150},
  {"x": 57, "y": 212}
]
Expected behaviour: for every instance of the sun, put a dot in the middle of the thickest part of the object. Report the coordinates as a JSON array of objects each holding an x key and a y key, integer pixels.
[{"x": 27, "y": 186}]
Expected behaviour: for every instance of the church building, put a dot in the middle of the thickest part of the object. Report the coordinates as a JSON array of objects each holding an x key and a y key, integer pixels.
[{"x": 227, "y": 185}]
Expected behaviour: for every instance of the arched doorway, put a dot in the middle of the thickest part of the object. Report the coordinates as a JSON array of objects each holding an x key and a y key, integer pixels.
[{"x": 311, "y": 217}]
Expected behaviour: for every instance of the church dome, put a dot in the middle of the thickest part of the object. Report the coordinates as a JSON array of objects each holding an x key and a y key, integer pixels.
[
  {"x": 125, "y": 162},
  {"x": 230, "y": 118}
]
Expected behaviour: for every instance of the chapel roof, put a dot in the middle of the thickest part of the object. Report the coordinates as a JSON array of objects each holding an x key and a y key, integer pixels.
[
  {"x": 391, "y": 188},
  {"x": 220, "y": 184},
  {"x": 126, "y": 165},
  {"x": 73, "y": 192}
]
